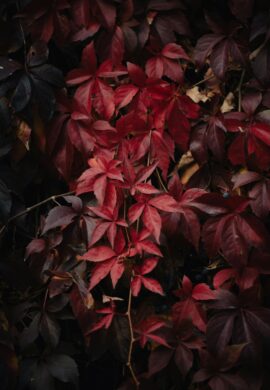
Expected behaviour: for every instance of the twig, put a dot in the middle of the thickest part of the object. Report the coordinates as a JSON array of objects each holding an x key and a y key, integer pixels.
[
  {"x": 26, "y": 211},
  {"x": 45, "y": 300},
  {"x": 132, "y": 339},
  {"x": 203, "y": 81},
  {"x": 23, "y": 37},
  {"x": 257, "y": 51},
  {"x": 125, "y": 218},
  {"x": 161, "y": 181},
  {"x": 149, "y": 153},
  {"x": 239, "y": 89}
]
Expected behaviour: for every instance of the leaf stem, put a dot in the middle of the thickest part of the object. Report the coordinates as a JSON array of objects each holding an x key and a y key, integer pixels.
[
  {"x": 45, "y": 300},
  {"x": 239, "y": 89},
  {"x": 125, "y": 218},
  {"x": 23, "y": 37},
  {"x": 132, "y": 338},
  {"x": 203, "y": 81},
  {"x": 161, "y": 181},
  {"x": 257, "y": 51}
]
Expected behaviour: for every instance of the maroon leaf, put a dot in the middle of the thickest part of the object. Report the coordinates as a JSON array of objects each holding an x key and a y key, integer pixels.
[{"x": 59, "y": 216}]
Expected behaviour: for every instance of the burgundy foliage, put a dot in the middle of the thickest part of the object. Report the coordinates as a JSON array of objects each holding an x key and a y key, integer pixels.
[{"x": 135, "y": 194}]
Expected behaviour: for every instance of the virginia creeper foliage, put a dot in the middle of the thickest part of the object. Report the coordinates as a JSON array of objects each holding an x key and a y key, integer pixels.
[{"x": 135, "y": 194}]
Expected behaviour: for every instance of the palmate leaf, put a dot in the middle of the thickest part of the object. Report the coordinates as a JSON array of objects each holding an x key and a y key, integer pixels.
[
  {"x": 97, "y": 179},
  {"x": 244, "y": 277},
  {"x": 165, "y": 63},
  {"x": 147, "y": 331},
  {"x": 34, "y": 85},
  {"x": 141, "y": 243},
  {"x": 183, "y": 342},
  {"x": 140, "y": 280},
  {"x": 108, "y": 261},
  {"x": 93, "y": 91},
  {"x": 175, "y": 110},
  {"x": 239, "y": 317},
  {"x": 136, "y": 180},
  {"x": 75, "y": 128},
  {"x": 221, "y": 46},
  {"x": 109, "y": 224},
  {"x": 217, "y": 369},
  {"x": 251, "y": 143},
  {"x": 209, "y": 136},
  {"x": 185, "y": 219},
  {"x": 189, "y": 308},
  {"x": 155, "y": 177},
  {"x": 147, "y": 209},
  {"x": 46, "y": 22},
  {"x": 259, "y": 191},
  {"x": 232, "y": 231}
]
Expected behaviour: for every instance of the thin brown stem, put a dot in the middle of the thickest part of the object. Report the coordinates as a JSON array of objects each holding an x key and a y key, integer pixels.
[
  {"x": 257, "y": 51},
  {"x": 132, "y": 339},
  {"x": 125, "y": 218},
  {"x": 23, "y": 37},
  {"x": 239, "y": 89},
  {"x": 161, "y": 181},
  {"x": 202, "y": 81},
  {"x": 45, "y": 300},
  {"x": 28, "y": 209},
  {"x": 149, "y": 153}
]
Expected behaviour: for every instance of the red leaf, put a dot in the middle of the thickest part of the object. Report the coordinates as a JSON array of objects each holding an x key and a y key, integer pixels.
[
  {"x": 174, "y": 51},
  {"x": 191, "y": 310},
  {"x": 99, "y": 253},
  {"x": 135, "y": 211},
  {"x": 165, "y": 203},
  {"x": 202, "y": 292},
  {"x": 124, "y": 95},
  {"x": 99, "y": 272},
  {"x": 136, "y": 74},
  {"x": 152, "y": 285},
  {"x": 146, "y": 330},
  {"x": 136, "y": 285},
  {"x": 148, "y": 265},
  {"x": 152, "y": 221},
  {"x": 116, "y": 272},
  {"x": 154, "y": 67},
  {"x": 222, "y": 276}
]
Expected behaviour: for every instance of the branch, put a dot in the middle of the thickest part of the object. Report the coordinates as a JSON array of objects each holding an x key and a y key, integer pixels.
[
  {"x": 23, "y": 37},
  {"x": 203, "y": 81},
  {"x": 161, "y": 181},
  {"x": 257, "y": 51},
  {"x": 239, "y": 89},
  {"x": 26, "y": 211},
  {"x": 132, "y": 339}
]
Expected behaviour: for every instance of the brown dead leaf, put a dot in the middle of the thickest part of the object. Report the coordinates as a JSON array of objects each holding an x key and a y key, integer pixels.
[
  {"x": 212, "y": 82},
  {"x": 189, "y": 172},
  {"x": 199, "y": 96},
  {"x": 107, "y": 298},
  {"x": 187, "y": 165},
  {"x": 21, "y": 145},
  {"x": 24, "y": 133},
  {"x": 215, "y": 264},
  {"x": 88, "y": 300},
  {"x": 185, "y": 160},
  {"x": 228, "y": 104}
]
